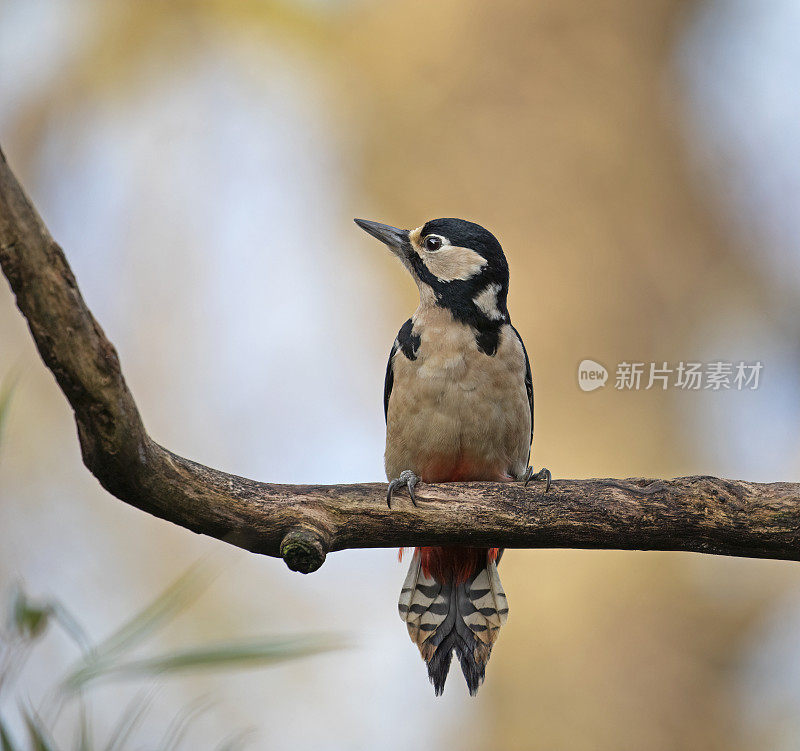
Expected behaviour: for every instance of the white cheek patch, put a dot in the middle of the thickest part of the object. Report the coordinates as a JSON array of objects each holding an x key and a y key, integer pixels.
[
  {"x": 486, "y": 301},
  {"x": 451, "y": 263}
]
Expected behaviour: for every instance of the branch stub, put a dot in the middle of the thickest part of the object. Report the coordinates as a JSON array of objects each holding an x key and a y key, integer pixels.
[{"x": 303, "y": 551}]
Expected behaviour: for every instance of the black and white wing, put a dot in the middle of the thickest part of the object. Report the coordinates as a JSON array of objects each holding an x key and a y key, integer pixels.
[
  {"x": 408, "y": 343},
  {"x": 528, "y": 379},
  {"x": 388, "y": 382}
]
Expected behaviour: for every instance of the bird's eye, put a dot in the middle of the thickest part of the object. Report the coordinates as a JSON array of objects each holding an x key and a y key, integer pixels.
[{"x": 433, "y": 242}]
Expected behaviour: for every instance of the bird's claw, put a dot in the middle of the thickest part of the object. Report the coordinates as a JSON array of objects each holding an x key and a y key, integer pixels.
[
  {"x": 542, "y": 474},
  {"x": 407, "y": 478}
]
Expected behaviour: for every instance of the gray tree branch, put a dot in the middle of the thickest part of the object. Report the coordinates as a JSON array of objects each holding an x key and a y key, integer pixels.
[{"x": 302, "y": 523}]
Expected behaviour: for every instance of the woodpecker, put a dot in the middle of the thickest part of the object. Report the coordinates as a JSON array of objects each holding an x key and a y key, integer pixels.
[{"x": 458, "y": 403}]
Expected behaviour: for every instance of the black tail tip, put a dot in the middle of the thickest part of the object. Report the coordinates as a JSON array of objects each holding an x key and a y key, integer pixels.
[
  {"x": 473, "y": 673},
  {"x": 439, "y": 667}
]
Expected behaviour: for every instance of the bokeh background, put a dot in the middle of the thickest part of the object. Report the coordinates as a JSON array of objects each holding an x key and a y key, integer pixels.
[{"x": 200, "y": 161}]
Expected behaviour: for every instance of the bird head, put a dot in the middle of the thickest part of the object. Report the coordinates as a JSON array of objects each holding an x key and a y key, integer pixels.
[{"x": 456, "y": 264}]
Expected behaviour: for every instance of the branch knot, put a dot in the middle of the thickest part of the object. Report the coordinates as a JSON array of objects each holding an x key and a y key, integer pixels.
[{"x": 303, "y": 550}]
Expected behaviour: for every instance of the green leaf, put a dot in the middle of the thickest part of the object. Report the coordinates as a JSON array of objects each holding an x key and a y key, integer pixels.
[
  {"x": 71, "y": 627},
  {"x": 180, "y": 725},
  {"x": 237, "y": 740},
  {"x": 6, "y": 392},
  {"x": 39, "y": 738},
  {"x": 28, "y": 620},
  {"x": 6, "y": 744},
  {"x": 84, "y": 742},
  {"x": 242, "y": 654},
  {"x": 172, "y": 600},
  {"x": 131, "y": 718}
]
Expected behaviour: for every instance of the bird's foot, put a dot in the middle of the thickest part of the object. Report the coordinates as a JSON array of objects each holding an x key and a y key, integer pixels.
[
  {"x": 542, "y": 474},
  {"x": 407, "y": 478}
]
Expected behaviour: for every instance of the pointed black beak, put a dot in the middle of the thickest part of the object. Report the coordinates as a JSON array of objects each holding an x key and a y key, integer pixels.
[{"x": 395, "y": 238}]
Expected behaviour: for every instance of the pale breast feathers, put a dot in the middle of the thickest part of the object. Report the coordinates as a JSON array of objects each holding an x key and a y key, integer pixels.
[{"x": 452, "y": 411}]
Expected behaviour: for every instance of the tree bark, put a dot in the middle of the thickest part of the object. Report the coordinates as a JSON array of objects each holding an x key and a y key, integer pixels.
[{"x": 302, "y": 523}]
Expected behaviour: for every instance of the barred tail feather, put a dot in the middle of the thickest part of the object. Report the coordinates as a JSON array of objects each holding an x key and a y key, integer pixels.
[{"x": 443, "y": 618}]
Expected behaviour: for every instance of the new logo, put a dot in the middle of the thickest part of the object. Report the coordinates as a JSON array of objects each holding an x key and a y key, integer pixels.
[{"x": 591, "y": 375}]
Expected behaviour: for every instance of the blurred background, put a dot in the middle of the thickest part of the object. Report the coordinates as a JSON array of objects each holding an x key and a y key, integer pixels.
[{"x": 200, "y": 162}]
